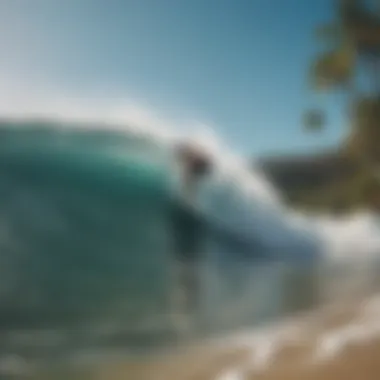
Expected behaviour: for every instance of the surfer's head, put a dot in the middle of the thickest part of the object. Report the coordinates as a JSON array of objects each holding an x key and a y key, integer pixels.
[{"x": 196, "y": 162}]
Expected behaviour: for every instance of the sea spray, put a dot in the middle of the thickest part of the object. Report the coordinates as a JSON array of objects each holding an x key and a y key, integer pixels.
[{"x": 86, "y": 238}]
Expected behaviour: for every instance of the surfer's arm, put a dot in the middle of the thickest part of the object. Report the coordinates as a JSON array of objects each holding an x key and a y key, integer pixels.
[{"x": 194, "y": 165}]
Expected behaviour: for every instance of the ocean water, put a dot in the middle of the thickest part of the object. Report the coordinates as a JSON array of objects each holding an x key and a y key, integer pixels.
[{"x": 89, "y": 219}]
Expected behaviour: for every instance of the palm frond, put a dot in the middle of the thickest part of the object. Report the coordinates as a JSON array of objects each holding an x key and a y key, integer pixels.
[{"x": 333, "y": 68}]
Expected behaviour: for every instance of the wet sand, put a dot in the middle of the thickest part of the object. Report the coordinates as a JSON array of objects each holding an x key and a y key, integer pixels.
[{"x": 339, "y": 343}]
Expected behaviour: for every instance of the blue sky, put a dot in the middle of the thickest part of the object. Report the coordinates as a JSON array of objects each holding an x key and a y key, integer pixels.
[{"x": 239, "y": 65}]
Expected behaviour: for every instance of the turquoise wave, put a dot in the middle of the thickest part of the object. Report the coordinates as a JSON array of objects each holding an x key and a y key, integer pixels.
[
  {"x": 89, "y": 223},
  {"x": 81, "y": 227}
]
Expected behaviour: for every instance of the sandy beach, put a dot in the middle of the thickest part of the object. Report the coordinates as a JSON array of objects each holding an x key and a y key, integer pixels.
[{"x": 340, "y": 342}]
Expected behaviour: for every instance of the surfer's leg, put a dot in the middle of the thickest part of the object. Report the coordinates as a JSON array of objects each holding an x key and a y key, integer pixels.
[
  {"x": 187, "y": 239},
  {"x": 191, "y": 284},
  {"x": 177, "y": 298},
  {"x": 185, "y": 293}
]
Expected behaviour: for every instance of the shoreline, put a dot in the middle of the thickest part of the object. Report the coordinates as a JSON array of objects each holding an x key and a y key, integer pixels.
[{"x": 336, "y": 343}]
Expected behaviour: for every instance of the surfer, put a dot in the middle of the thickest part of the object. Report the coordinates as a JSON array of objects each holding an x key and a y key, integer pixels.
[{"x": 188, "y": 231}]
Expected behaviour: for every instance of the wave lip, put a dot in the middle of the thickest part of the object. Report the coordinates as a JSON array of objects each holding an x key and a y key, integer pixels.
[{"x": 257, "y": 198}]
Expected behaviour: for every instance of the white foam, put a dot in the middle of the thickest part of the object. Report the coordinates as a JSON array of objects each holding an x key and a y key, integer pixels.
[
  {"x": 125, "y": 115},
  {"x": 265, "y": 345},
  {"x": 356, "y": 235}
]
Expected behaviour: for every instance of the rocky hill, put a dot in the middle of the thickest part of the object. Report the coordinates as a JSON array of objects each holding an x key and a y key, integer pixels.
[{"x": 324, "y": 180}]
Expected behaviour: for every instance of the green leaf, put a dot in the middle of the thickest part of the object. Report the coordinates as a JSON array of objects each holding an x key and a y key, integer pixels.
[{"x": 334, "y": 68}]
